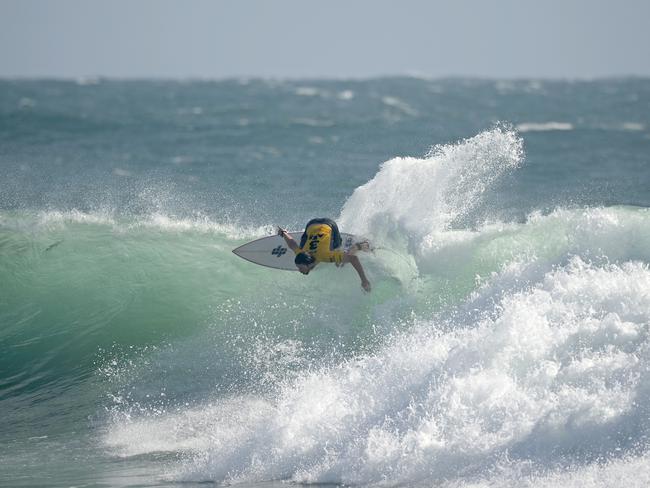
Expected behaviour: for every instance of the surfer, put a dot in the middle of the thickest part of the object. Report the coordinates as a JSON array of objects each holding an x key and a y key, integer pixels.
[{"x": 319, "y": 243}]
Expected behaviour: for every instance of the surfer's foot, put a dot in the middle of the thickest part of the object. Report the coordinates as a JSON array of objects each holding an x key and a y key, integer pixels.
[{"x": 363, "y": 246}]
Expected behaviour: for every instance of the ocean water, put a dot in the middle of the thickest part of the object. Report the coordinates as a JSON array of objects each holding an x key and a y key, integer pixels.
[{"x": 506, "y": 342}]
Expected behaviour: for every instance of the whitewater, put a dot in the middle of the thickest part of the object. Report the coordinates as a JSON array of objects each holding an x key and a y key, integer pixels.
[
  {"x": 543, "y": 363},
  {"x": 505, "y": 343}
]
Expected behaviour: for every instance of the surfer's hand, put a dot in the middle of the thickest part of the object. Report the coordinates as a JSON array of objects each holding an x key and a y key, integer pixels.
[
  {"x": 281, "y": 231},
  {"x": 366, "y": 286}
]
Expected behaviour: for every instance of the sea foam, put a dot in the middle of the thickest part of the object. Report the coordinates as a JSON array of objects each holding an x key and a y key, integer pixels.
[
  {"x": 536, "y": 372},
  {"x": 421, "y": 195},
  {"x": 556, "y": 373}
]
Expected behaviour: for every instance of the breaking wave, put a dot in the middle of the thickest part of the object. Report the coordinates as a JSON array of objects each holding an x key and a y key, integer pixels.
[{"x": 505, "y": 354}]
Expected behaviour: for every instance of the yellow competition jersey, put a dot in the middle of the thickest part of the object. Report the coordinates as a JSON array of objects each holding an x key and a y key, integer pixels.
[{"x": 319, "y": 237}]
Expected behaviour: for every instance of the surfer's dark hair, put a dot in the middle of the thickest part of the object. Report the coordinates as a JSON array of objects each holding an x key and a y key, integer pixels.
[{"x": 304, "y": 258}]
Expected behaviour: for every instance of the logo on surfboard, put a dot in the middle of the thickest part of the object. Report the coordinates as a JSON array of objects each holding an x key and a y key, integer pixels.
[{"x": 279, "y": 251}]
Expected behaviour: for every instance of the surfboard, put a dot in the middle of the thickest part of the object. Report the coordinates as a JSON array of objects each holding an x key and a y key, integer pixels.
[{"x": 273, "y": 252}]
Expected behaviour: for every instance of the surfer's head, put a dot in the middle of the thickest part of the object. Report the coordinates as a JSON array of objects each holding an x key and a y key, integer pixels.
[{"x": 305, "y": 262}]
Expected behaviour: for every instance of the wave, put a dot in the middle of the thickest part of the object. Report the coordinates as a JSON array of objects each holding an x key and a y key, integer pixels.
[
  {"x": 508, "y": 352},
  {"x": 543, "y": 126},
  {"x": 416, "y": 196},
  {"x": 553, "y": 373},
  {"x": 399, "y": 105},
  {"x": 73, "y": 283},
  {"x": 491, "y": 354}
]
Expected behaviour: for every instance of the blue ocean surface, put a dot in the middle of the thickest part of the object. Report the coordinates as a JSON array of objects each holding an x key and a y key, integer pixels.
[{"x": 506, "y": 341}]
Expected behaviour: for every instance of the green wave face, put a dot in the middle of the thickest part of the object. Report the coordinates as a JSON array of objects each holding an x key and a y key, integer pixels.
[
  {"x": 105, "y": 315},
  {"x": 73, "y": 285}
]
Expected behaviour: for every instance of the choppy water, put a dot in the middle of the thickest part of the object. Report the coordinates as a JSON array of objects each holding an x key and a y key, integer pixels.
[{"x": 505, "y": 343}]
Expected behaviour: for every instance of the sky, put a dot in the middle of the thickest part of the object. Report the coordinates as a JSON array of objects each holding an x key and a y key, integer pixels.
[{"x": 331, "y": 39}]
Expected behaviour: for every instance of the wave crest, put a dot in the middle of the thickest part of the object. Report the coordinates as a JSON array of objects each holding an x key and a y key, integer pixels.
[{"x": 419, "y": 196}]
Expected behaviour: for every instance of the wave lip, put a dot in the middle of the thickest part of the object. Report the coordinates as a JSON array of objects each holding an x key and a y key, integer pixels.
[
  {"x": 421, "y": 195},
  {"x": 108, "y": 220}
]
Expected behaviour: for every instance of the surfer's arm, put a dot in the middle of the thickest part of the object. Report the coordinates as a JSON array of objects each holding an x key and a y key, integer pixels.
[
  {"x": 288, "y": 239},
  {"x": 356, "y": 264}
]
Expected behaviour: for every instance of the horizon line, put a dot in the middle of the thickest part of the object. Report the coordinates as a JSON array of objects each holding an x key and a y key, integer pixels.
[{"x": 90, "y": 79}]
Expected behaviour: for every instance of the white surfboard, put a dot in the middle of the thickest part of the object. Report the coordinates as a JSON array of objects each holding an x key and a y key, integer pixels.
[{"x": 273, "y": 252}]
